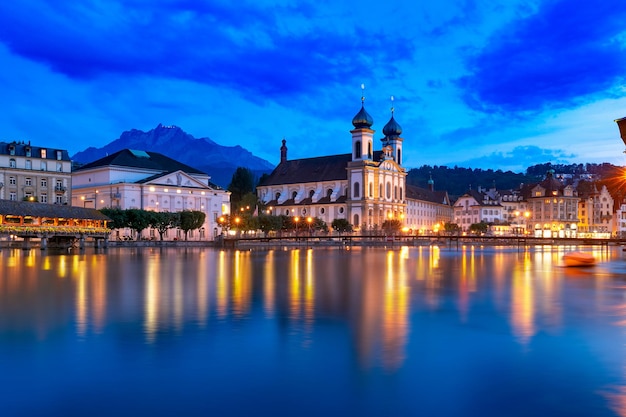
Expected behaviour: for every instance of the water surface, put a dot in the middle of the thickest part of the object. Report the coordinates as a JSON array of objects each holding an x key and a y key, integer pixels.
[{"x": 478, "y": 331}]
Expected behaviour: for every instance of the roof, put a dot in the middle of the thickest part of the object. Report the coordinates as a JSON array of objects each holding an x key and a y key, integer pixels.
[
  {"x": 322, "y": 168},
  {"x": 141, "y": 159},
  {"x": 424, "y": 194},
  {"x": 20, "y": 149},
  {"x": 26, "y": 208}
]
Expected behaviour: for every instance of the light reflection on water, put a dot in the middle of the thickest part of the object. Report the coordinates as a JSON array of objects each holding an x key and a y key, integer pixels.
[{"x": 405, "y": 311}]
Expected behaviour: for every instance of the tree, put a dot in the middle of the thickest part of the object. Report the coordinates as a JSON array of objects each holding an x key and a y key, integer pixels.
[
  {"x": 241, "y": 184},
  {"x": 191, "y": 220},
  {"x": 269, "y": 223},
  {"x": 392, "y": 227},
  {"x": 162, "y": 221},
  {"x": 341, "y": 225},
  {"x": 479, "y": 228},
  {"x": 138, "y": 220},
  {"x": 451, "y": 228},
  {"x": 117, "y": 216}
]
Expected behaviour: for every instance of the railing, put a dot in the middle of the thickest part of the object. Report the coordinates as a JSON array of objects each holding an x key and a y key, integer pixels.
[{"x": 60, "y": 188}]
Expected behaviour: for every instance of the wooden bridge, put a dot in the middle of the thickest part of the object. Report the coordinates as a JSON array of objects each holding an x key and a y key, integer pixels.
[{"x": 52, "y": 224}]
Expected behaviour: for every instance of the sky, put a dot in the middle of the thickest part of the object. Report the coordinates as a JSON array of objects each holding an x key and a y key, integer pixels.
[{"x": 493, "y": 84}]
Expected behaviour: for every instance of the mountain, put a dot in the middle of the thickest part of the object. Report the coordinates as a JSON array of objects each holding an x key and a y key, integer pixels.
[{"x": 220, "y": 162}]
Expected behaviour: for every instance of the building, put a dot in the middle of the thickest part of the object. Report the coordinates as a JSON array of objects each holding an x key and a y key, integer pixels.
[
  {"x": 33, "y": 173},
  {"x": 553, "y": 207},
  {"x": 478, "y": 206},
  {"x": 131, "y": 179},
  {"x": 365, "y": 187},
  {"x": 427, "y": 210},
  {"x": 595, "y": 212}
]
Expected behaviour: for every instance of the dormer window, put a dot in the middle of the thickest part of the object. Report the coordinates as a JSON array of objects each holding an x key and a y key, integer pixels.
[
  {"x": 11, "y": 149},
  {"x": 43, "y": 153},
  {"x": 59, "y": 155},
  {"x": 27, "y": 149}
]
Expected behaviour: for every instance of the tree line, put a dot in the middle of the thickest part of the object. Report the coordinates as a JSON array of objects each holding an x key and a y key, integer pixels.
[{"x": 162, "y": 221}]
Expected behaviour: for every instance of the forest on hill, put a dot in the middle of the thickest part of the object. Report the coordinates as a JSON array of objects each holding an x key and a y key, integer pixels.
[{"x": 457, "y": 181}]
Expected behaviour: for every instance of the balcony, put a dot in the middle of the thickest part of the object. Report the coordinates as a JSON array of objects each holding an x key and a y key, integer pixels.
[{"x": 60, "y": 188}]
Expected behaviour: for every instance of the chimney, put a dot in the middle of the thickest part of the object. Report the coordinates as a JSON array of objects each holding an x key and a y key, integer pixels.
[{"x": 283, "y": 152}]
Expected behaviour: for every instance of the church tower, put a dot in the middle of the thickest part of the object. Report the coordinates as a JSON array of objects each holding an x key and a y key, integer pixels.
[
  {"x": 392, "y": 132},
  {"x": 362, "y": 134}
]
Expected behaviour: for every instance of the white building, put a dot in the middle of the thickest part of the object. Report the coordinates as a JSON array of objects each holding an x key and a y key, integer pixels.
[
  {"x": 33, "y": 173},
  {"x": 365, "y": 187},
  {"x": 476, "y": 207},
  {"x": 150, "y": 181}
]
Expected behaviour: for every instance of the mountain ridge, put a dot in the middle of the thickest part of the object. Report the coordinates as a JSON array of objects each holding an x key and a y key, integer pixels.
[{"x": 218, "y": 161}]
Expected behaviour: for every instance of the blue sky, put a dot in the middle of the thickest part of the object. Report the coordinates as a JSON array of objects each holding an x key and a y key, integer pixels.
[{"x": 481, "y": 84}]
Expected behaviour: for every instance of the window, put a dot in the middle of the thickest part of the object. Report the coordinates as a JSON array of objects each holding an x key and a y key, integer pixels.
[
  {"x": 28, "y": 182},
  {"x": 28, "y": 152},
  {"x": 12, "y": 181},
  {"x": 29, "y": 164},
  {"x": 44, "y": 182},
  {"x": 59, "y": 199},
  {"x": 322, "y": 210},
  {"x": 59, "y": 155},
  {"x": 43, "y": 198},
  {"x": 311, "y": 193},
  {"x": 357, "y": 149},
  {"x": 13, "y": 196},
  {"x": 356, "y": 190},
  {"x": 399, "y": 160},
  {"x": 44, "y": 165},
  {"x": 11, "y": 150},
  {"x": 371, "y": 189},
  {"x": 12, "y": 163},
  {"x": 43, "y": 153},
  {"x": 59, "y": 167},
  {"x": 340, "y": 209},
  {"x": 388, "y": 190},
  {"x": 356, "y": 219}
]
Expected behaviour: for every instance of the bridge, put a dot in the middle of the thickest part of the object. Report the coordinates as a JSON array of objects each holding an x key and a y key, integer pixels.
[{"x": 52, "y": 224}]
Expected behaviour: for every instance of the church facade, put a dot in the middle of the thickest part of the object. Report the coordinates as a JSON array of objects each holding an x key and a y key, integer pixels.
[{"x": 365, "y": 187}]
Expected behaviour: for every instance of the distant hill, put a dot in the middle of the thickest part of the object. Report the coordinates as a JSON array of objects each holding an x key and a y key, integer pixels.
[{"x": 220, "y": 162}]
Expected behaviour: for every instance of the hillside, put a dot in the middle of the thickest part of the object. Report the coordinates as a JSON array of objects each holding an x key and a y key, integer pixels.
[{"x": 220, "y": 162}]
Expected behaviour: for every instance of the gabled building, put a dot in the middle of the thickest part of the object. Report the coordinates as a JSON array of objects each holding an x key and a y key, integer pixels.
[
  {"x": 476, "y": 206},
  {"x": 553, "y": 207},
  {"x": 365, "y": 187},
  {"x": 595, "y": 211},
  {"x": 34, "y": 173},
  {"x": 150, "y": 181}
]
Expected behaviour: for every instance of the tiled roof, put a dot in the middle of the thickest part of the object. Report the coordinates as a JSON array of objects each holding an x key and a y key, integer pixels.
[
  {"x": 418, "y": 193},
  {"x": 35, "y": 151},
  {"x": 26, "y": 208},
  {"x": 141, "y": 159},
  {"x": 322, "y": 168}
]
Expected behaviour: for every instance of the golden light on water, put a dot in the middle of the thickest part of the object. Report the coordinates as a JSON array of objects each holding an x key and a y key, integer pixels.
[{"x": 269, "y": 285}]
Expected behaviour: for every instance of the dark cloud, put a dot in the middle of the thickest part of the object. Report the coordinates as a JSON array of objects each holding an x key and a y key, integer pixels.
[
  {"x": 221, "y": 44},
  {"x": 556, "y": 57}
]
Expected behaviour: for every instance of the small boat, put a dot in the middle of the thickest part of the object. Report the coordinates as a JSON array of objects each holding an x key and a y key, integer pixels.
[{"x": 579, "y": 259}]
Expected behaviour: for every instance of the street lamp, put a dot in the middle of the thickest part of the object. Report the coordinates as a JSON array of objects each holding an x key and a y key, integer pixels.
[
  {"x": 309, "y": 220},
  {"x": 296, "y": 220}
]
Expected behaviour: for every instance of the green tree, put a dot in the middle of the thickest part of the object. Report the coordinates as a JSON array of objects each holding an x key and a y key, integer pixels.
[
  {"x": 117, "y": 216},
  {"x": 392, "y": 227},
  {"x": 191, "y": 220},
  {"x": 341, "y": 225},
  {"x": 162, "y": 221},
  {"x": 138, "y": 220},
  {"x": 242, "y": 183},
  {"x": 451, "y": 228},
  {"x": 269, "y": 223},
  {"x": 479, "y": 228}
]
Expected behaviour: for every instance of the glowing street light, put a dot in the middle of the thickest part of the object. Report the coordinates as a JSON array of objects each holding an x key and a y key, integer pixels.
[{"x": 309, "y": 220}]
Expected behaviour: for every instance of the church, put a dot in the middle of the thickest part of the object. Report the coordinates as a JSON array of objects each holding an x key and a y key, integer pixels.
[{"x": 365, "y": 187}]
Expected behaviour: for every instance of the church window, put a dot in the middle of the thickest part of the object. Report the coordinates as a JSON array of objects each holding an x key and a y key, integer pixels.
[
  {"x": 395, "y": 192},
  {"x": 329, "y": 192},
  {"x": 369, "y": 150},
  {"x": 371, "y": 187},
  {"x": 357, "y": 190},
  {"x": 356, "y": 219},
  {"x": 401, "y": 197},
  {"x": 399, "y": 160},
  {"x": 294, "y": 195},
  {"x": 388, "y": 189},
  {"x": 357, "y": 149},
  {"x": 277, "y": 195},
  {"x": 311, "y": 193}
]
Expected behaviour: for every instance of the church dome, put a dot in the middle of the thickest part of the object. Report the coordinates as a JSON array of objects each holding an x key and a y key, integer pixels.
[
  {"x": 362, "y": 119},
  {"x": 392, "y": 128}
]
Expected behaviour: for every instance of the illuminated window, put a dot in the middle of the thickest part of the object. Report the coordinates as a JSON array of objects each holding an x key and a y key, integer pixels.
[{"x": 43, "y": 153}]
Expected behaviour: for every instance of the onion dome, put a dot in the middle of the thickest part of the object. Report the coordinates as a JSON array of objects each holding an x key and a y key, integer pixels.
[
  {"x": 362, "y": 120},
  {"x": 392, "y": 129}
]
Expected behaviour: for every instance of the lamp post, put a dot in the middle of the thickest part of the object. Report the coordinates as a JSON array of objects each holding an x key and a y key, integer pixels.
[
  {"x": 309, "y": 221},
  {"x": 296, "y": 220}
]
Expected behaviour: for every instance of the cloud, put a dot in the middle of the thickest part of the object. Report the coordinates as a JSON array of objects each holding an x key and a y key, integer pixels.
[
  {"x": 254, "y": 49},
  {"x": 557, "y": 57},
  {"x": 519, "y": 158}
]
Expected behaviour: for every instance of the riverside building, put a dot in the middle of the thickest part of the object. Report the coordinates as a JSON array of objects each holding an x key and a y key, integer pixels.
[{"x": 365, "y": 187}]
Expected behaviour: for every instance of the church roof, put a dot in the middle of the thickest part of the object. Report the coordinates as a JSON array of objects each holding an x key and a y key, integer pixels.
[
  {"x": 424, "y": 194},
  {"x": 322, "y": 168},
  {"x": 141, "y": 159}
]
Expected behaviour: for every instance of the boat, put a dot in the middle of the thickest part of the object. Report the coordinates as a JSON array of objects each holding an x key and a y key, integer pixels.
[{"x": 579, "y": 259}]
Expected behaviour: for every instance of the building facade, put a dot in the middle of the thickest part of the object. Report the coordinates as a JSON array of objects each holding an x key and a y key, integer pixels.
[
  {"x": 365, "y": 187},
  {"x": 131, "y": 179},
  {"x": 33, "y": 173}
]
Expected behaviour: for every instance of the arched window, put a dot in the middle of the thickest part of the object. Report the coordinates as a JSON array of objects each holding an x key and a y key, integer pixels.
[
  {"x": 329, "y": 192},
  {"x": 356, "y": 220},
  {"x": 395, "y": 192},
  {"x": 388, "y": 189},
  {"x": 371, "y": 187},
  {"x": 357, "y": 190},
  {"x": 401, "y": 193},
  {"x": 294, "y": 195},
  {"x": 357, "y": 149},
  {"x": 12, "y": 163},
  {"x": 369, "y": 150},
  {"x": 311, "y": 193},
  {"x": 399, "y": 160},
  {"x": 277, "y": 195}
]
